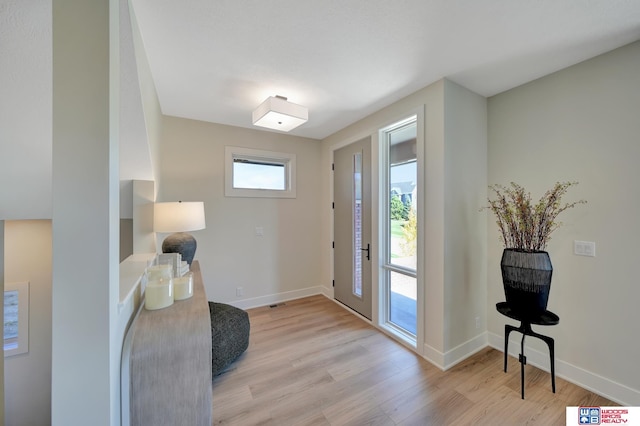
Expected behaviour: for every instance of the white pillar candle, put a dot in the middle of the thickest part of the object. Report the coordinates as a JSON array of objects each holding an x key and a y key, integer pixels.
[
  {"x": 183, "y": 287},
  {"x": 160, "y": 272},
  {"x": 159, "y": 294}
]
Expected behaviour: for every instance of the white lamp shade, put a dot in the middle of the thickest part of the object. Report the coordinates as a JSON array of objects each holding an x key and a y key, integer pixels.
[
  {"x": 279, "y": 114},
  {"x": 178, "y": 216}
]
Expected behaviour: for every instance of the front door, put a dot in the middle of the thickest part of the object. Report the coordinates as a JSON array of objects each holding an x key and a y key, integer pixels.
[{"x": 352, "y": 226}]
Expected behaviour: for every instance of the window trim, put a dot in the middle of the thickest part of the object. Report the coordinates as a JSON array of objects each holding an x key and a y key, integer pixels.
[{"x": 255, "y": 155}]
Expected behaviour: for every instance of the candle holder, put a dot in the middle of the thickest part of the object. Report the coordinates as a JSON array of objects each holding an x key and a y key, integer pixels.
[
  {"x": 159, "y": 294},
  {"x": 183, "y": 287}
]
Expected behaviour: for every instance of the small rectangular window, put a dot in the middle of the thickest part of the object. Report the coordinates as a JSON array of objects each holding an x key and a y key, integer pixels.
[
  {"x": 256, "y": 173},
  {"x": 259, "y": 174},
  {"x": 16, "y": 318}
]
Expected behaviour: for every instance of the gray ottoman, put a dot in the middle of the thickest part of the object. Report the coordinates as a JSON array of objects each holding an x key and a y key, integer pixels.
[{"x": 229, "y": 335}]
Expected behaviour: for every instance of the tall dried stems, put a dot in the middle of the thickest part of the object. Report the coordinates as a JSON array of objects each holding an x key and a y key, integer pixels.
[{"x": 524, "y": 225}]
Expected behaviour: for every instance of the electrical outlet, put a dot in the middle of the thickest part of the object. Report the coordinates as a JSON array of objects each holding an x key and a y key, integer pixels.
[
  {"x": 239, "y": 292},
  {"x": 477, "y": 322},
  {"x": 259, "y": 231}
]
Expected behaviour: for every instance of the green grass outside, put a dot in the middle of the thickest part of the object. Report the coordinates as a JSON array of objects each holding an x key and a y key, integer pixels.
[{"x": 396, "y": 228}]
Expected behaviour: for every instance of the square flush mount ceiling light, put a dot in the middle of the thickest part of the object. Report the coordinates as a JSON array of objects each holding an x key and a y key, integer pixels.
[{"x": 279, "y": 114}]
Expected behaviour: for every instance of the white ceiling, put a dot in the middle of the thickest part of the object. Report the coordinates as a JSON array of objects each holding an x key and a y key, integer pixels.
[{"x": 344, "y": 59}]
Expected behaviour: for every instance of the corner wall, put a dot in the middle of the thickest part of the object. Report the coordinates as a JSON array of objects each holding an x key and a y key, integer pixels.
[
  {"x": 580, "y": 124},
  {"x": 465, "y": 248},
  {"x": 284, "y": 262}
]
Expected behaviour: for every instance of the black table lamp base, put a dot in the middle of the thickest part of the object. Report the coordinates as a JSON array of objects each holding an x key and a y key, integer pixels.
[{"x": 182, "y": 243}]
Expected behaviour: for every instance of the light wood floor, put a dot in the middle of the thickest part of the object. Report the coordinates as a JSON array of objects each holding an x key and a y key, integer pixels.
[{"x": 311, "y": 362}]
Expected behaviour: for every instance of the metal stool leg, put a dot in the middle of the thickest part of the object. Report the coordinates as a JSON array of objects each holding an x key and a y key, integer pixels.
[
  {"x": 507, "y": 330},
  {"x": 523, "y": 361},
  {"x": 553, "y": 364}
]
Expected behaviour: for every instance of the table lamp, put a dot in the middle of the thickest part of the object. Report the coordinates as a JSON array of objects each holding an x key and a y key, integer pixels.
[{"x": 179, "y": 217}]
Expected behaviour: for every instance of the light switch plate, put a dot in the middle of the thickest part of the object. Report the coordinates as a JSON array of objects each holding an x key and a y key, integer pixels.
[{"x": 584, "y": 248}]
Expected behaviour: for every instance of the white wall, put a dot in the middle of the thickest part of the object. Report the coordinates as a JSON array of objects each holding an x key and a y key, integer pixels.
[
  {"x": 454, "y": 184},
  {"x": 135, "y": 161},
  {"x": 284, "y": 263},
  {"x": 25, "y": 110},
  {"x": 85, "y": 215},
  {"x": 465, "y": 248},
  {"x": 580, "y": 124},
  {"x": 150, "y": 103},
  {"x": 2, "y": 315},
  {"x": 28, "y": 257},
  {"x": 26, "y": 113}
]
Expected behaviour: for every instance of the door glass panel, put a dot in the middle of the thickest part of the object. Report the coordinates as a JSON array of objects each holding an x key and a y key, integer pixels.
[
  {"x": 402, "y": 296},
  {"x": 357, "y": 224},
  {"x": 402, "y": 214}
]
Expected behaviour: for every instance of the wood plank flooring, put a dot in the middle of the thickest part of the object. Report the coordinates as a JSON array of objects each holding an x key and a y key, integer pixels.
[{"x": 311, "y": 362}]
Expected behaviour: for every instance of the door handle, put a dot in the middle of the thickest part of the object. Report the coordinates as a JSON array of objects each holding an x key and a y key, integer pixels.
[{"x": 367, "y": 250}]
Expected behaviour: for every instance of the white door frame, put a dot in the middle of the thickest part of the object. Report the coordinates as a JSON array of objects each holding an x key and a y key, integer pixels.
[{"x": 420, "y": 302}]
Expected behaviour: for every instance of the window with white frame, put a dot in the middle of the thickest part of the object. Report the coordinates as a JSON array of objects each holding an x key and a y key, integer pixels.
[{"x": 257, "y": 173}]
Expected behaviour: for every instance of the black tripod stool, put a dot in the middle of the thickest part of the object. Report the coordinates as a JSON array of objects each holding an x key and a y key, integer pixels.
[{"x": 526, "y": 320}]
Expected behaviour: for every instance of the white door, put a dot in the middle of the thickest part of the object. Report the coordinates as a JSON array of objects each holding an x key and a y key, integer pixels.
[{"x": 352, "y": 226}]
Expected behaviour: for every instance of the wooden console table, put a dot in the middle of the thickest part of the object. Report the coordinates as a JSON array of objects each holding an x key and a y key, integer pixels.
[{"x": 168, "y": 355}]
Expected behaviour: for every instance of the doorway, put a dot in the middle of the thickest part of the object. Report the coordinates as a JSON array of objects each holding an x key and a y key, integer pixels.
[{"x": 352, "y": 226}]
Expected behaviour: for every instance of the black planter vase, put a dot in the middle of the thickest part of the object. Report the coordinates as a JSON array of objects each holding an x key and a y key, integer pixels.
[{"x": 526, "y": 277}]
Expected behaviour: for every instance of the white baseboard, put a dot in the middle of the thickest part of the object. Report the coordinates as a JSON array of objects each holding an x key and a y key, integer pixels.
[
  {"x": 595, "y": 383},
  {"x": 465, "y": 350},
  {"x": 327, "y": 291},
  {"x": 277, "y": 298},
  {"x": 434, "y": 356},
  {"x": 448, "y": 359}
]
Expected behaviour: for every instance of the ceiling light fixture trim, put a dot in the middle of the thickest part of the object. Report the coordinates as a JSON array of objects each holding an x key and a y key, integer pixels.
[{"x": 279, "y": 114}]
